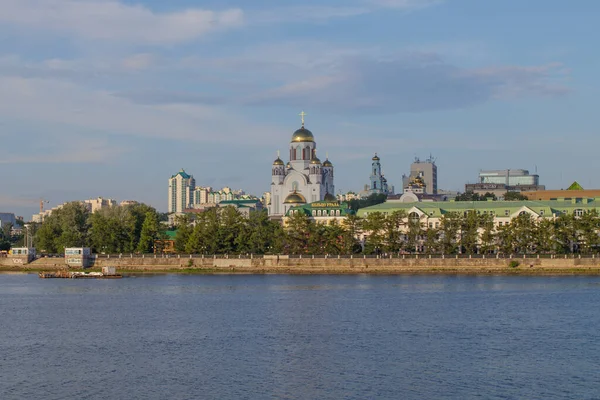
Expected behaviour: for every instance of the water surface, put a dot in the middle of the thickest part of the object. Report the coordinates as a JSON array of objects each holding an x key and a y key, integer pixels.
[{"x": 300, "y": 337}]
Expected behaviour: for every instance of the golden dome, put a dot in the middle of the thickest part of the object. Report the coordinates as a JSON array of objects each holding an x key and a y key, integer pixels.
[
  {"x": 279, "y": 161},
  {"x": 375, "y": 158},
  {"x": 303, "y": 135},
  {"x": 294, "y": 198},
  {"x": 288, "y": 165},
  {"x": 329, "y": 197},
  {"x": 315, "y": 161},
  {"x": 327, "y": 163}
]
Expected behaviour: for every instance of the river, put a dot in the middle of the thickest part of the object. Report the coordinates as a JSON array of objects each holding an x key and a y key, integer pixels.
[{"x": 300, "y": 337}]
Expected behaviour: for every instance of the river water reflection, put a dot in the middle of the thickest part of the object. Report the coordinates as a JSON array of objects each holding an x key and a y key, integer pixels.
[{"x": 300, "y": 337}]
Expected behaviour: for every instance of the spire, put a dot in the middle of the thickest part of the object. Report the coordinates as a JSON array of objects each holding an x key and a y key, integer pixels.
[{"x": 302, "y": 115}]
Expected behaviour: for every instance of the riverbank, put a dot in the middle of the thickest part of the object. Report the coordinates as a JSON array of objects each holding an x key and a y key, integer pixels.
[{"x": 334, "y": 266}]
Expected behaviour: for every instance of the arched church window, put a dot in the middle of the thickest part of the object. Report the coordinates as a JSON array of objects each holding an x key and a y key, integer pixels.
[
  {"x": 299, "y": 153},
  {"x": 295, "y": 185}
]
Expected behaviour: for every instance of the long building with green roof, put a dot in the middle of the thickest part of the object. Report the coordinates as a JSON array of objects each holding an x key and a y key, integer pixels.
[{"x": 430, "y": 213}]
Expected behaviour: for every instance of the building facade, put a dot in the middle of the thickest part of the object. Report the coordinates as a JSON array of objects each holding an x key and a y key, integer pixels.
[
  {"x": 509, "y": 177},
  {"x": 303, "y": 179},
  {"x": 427, "y": 171},
  {"x": 181, "y": 189},
  {"x": 430, "y": 214}
]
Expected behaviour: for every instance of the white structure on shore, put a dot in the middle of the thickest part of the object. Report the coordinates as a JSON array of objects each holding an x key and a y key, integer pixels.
[{"x": 304, "y": 179}]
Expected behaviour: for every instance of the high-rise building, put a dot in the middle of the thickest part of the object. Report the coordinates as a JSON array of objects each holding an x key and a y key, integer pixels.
[
  {"x": 427, "y": 171},
  {"x": 181, "y": 190}
]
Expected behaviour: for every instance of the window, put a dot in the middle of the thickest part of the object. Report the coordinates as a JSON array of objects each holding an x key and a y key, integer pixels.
[
  {"x": 414, "y": 217},
  {"x": 578, "y": 212},
  {"x": 506, "y": 213},
  {"x": 541, "y": 212}
]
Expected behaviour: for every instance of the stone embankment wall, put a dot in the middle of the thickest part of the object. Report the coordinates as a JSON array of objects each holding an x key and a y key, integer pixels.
[{"x": 358, "y": 264}]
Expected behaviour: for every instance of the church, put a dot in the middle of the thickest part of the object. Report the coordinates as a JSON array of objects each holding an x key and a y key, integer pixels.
[{"x": 304, "y": 179}]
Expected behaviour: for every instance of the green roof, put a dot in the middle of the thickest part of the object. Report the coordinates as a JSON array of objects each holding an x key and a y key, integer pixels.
[
  {"x": 183, "y": 174},
  {"x": 171, "y": 234},
  {"x": 499, "y": 208}
]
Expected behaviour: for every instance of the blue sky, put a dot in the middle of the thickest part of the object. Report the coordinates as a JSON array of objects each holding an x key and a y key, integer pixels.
[{"x": 109, "y": 98}]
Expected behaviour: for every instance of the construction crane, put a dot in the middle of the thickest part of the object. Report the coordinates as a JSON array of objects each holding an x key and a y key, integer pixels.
[{"x": 42, "y": 201}]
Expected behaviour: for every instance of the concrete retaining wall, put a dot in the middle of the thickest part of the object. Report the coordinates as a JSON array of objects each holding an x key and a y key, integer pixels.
[{"x": 316, "y": 265}]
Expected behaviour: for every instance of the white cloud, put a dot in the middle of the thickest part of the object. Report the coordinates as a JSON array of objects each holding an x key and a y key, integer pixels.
[{"x": 114, "y": 20}]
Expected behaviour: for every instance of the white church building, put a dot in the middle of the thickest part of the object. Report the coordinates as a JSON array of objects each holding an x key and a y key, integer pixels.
[{"x": 304, "y": 179}]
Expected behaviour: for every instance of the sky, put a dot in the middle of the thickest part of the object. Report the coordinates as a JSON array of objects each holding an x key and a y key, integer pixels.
[{"x": 111, "y": 97}]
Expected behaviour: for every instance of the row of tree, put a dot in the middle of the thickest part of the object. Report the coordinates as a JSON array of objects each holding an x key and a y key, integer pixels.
[
  {"x": 136, "y": 228},
  {"x": 125, "y": 229},
  {"x": 225, "y": 231}
]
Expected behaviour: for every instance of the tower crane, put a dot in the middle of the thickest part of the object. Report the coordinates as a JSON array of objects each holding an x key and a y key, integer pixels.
[{"x": 42, "y": 201}]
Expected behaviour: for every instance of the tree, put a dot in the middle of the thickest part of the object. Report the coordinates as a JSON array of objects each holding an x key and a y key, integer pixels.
[
  {"x": 432, "y": 241},
  {"x": 514, "y": 196},
  {"x": 184, "y": 231},
  {"x": 486, "y": 223},
  {"x": 470, "y": 196},
  {"x": 449, "y": 229},
  {"x": 589, "y": 225},
  {"x": 65, "y": 227},
  {"x": 374, "y": 224},
  {"x": 356, "y": 204},
  {"x": 297, "y": 233},
  {"x": 149, "y": 233},
  {"x": 469, "y": 232},
  {"x": 392, "y": 227},
  {"x": 352, "y": 230}
]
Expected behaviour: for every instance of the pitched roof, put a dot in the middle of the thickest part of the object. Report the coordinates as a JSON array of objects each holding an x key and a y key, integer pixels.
[{"x": 575, "y": 186}]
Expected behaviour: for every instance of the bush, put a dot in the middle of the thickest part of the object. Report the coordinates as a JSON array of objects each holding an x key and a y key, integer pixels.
[
  {"x": 190, "y": 263},
  {"x": 514, "y": 264}
]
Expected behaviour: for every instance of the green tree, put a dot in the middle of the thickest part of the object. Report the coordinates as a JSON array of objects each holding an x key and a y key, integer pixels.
[
  {"x": 297, "y": 233},
  {"x": 149, "y": 233},
  {"x": 589, "y": 226},
  {"x": 184, "y": 231},
  {"x": 65, "y": 227},
  {"x": 515, "y": 196},
  {"x": 449, "y": 230},
  {"x": 374, "y": 225},
  {"x": 352, "y": 230},
  {"x": 469, "y": 232},
  {"x": 486, "y": 223},
  {"x": 372, "y": 200},
  {"x": 392, "y": 231},
  {"x": 432, "y": 241}
]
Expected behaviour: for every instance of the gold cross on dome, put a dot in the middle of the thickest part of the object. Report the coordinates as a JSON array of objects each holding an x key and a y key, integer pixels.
[{"x": 302, "y": 115}]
